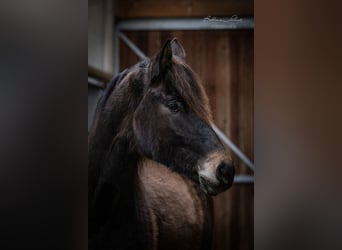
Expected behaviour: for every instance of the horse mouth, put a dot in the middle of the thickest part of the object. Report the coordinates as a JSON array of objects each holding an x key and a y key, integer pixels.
[{"x": 212, "y": 188}]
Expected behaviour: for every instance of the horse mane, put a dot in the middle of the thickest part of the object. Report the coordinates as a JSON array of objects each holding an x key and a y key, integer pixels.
[
  {"x": 189, "y": 87},
  {"x": 106, "y": 146},
  {"x": 183, "y": 79},
  {"x": 109, "y": 89}
]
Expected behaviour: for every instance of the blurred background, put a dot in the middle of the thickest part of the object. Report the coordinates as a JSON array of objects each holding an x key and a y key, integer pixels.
[
  {"x": 297, "y": 119},
  {"x": 218, "y": 37}
]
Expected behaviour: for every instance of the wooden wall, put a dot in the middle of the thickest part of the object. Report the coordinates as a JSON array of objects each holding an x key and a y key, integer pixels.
[
  {"x": 224, "y": 62},
  {"x": 182, "y": 8}
]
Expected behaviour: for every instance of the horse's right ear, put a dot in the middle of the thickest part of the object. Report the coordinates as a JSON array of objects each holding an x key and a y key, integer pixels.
[{"x": 163, "y": 60}]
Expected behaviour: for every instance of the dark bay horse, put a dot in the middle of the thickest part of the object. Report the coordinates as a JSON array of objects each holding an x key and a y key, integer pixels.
[{"x": 154, "y": 160}]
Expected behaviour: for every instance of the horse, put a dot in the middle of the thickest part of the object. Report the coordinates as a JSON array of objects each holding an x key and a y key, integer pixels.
[{"x": 154, "y": 160}]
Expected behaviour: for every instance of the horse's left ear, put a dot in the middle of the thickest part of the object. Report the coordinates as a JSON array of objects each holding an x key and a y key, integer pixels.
[{"x": 177, "y": 49}]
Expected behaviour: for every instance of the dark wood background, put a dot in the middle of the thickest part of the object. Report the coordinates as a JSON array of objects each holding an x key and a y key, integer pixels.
[
  {"x": 224, "y": 62},
  {"x": 183, "y": 8}
]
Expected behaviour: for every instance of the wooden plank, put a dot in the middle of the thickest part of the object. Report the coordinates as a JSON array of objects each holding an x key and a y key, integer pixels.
[
  {"x": 154, "y": 43},
  {"x": 245, "y": 121},
  {"x": 225, "y": 103},
  {"x": 182, "y": 8},
  {"x": 127, "y": 57},
  {"x": 211, "y": 67},
  {"x": 245, "y": 99}
]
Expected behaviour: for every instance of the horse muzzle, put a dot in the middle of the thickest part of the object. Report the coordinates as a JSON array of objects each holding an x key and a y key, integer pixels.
[{"x": 217, "y": 179}]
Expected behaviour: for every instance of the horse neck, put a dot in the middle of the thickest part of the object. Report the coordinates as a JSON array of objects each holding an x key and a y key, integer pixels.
[
  {"x": 112, "y": 164},
  {"x": 112, "y": 150},
  {"x": 112, "y": 131},
  {"x": 112, "y": 213}
]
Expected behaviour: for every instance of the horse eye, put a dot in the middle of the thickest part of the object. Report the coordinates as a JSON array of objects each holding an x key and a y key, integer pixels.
[{"x": 174, "y": 106}]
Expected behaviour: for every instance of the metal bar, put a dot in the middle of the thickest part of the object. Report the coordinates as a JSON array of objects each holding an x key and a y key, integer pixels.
[
  {"x": 116, "y": 51},
  {"x": 99, "y": 74},
  {"x": 132, "y": 46},
  {"x": 234, "y": 148},
  {"x": 108, "y": 23},
  {"x": 95, "y": 82},
  {"x": 243, "y": 179},
  {"x": 207, "y": 23}
]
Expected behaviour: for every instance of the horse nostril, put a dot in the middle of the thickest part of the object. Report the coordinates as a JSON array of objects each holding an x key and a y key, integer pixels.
[{"x": 225, "y": 172}]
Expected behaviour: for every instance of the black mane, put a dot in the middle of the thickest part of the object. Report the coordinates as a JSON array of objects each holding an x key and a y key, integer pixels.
[
  {"x": 110, "y": 87},
  {"x": 114, "y": 82}
]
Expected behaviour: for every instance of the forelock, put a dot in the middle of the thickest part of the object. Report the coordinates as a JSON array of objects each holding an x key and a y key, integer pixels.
[{"x": 191, "y": 90}]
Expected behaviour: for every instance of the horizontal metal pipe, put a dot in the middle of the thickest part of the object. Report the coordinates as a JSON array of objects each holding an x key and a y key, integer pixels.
[
  {"x": 243, "y": 179},
  {"x": 99, "y": 74},
  {"x": 95, "y": 82},
  {"x": 207, "y": 23}
]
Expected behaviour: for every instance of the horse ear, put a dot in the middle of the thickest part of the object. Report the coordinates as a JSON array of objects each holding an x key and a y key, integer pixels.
[
  {"x": 163, "y": 59},
  {"x": 177, "y": 49}
]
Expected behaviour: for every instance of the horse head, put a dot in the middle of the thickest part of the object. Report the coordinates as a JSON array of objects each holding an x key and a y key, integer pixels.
[{"x": 172, "y": 123}]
